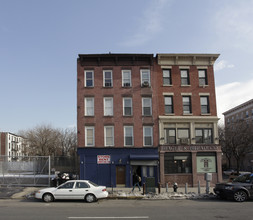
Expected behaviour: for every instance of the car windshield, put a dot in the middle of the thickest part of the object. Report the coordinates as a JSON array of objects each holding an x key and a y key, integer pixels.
[
  {"x": 94, "y": 184},
  {"x": 243, "y": 179}
]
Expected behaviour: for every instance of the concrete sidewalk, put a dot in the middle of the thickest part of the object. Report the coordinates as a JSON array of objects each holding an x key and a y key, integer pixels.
[{"x": 117, "y": 193}]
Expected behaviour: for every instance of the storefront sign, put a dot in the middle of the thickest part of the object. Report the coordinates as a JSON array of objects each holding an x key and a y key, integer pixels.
[
  {"x": 103, "y": 159},
  {"x": 189, "y": 148},
  {"x": 206, "y": 164}
]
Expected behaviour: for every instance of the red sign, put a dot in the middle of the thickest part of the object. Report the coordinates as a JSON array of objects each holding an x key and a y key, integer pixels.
[{"x": 103, "y": 159}]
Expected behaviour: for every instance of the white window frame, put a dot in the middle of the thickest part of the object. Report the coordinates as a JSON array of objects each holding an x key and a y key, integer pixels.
[
  {"x": 150, "y": 105},
  {"x": 123, "y": 78},
  {"x": 93, "y": 136},
  {"x": 110, "y": 111},
  {"x": 104, "y": 71},
  {"x": 144, "y": 128},
  {"x": 132, "y": 135},
  {"x": 86, "y": 112},
  {"x": 144, "y": 79},
  {"x": 105, "y": 135},
  {"x": 124, "y": 113},
  {"x": 85, "y": 78}
]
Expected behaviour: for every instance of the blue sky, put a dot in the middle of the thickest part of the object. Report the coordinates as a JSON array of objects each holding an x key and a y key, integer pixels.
[{"x": 40, "y": 42}]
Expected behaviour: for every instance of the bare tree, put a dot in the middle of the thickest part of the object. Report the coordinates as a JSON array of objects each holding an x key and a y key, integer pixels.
[
  {"x": 68, "y": 141},
  {"x": 238, "y": 137},
  {"x": 226, "y": 149},
  {"x": 45, "y": 140}
]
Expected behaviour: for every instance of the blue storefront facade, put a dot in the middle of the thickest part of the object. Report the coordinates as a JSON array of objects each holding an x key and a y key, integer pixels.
[{"x": 114, "y": 167}]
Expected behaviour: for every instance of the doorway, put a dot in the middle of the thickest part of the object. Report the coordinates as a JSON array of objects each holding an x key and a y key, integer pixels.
[{"x": 120, "y": 176}]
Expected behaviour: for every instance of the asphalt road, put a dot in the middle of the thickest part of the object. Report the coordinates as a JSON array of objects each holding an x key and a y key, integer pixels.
[{"x": 125, "y": 209}]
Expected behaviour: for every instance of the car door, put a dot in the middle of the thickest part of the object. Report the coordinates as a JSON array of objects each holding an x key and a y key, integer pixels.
[
  {"x": 251, "y": 186},
  {"x": 80, "y": 190},
  {"x": 64, "y": 191}
]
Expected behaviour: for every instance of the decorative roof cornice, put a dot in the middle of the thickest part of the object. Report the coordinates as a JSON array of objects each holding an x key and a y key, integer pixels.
[{"x": 186, "y": 59}]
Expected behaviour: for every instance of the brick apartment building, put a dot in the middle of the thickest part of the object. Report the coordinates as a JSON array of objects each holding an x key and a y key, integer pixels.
[
  {"x": 12, "y": 145},
  {"x": 243, "y": 111},
  {"x": 188, "y": 144},
  {"x": 117, "y": 114},
  {"x": 155, "y": 116}
]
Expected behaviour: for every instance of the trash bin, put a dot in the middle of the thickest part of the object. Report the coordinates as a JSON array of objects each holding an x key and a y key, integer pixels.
[{"x": 150, "y": 185}]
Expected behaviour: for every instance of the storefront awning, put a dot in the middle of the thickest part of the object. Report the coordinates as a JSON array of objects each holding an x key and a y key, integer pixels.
[{"x": 144, "y": 157}]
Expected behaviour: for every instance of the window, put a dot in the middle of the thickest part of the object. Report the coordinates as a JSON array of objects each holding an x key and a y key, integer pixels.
[
  {"x": 187, "y": 105},
  {"x": 170, "y": 136},
  {"x": 108, "y": 106},
  {"x": 109, "y": 135},
  {"x": 128, "y": 136},
  {"x": 202, "y": 77},
  {"x": 167, "y": 77},
  {"x": 145, "y": 77},
  {"x": 89, "y": 106},
  {"x": 177, "y": 163},
  {"x": 185, "y": 77},
  {"x": 89, "y": 78},
  {"x": 204, "y": 102},
  {"x": 89, "y": 136},
  {"x": 146, "y": 106},
  {"x": 203, "y": 136},
  {"x": 108, "y": 78},
  {"x": 126, "y": 78},
  {"x": 247, "y": 114},
  {"x": 148, "y": 136},
  {"x": 127, "y": 106},
  {"x": 183, "y": 133},
  {"x": 168, "y": 102},
  {"x": 80, "y": 185}
]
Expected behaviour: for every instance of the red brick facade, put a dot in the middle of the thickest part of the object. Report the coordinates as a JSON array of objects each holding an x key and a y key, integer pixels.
[{"x": 131, "y": 62}]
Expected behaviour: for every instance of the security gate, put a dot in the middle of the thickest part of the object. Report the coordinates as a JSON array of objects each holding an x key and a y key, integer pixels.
[{"x": 25, "y": 171}]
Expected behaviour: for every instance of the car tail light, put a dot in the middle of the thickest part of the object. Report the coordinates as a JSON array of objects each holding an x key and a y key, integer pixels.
[{"x": 104, "y": 190}]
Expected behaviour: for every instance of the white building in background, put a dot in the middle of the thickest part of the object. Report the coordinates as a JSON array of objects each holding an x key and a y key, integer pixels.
[{"x": 12, "y": 145}]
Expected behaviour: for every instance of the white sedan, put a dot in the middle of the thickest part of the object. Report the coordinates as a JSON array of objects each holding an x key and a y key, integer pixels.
[{"x": 73, "y": 189}]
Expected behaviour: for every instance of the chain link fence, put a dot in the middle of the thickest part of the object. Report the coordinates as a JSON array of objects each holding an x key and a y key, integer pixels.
[{"x": 34, "y": 170}]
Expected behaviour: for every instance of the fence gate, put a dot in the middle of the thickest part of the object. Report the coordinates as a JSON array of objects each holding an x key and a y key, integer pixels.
[{"x": 25, "y": 171}]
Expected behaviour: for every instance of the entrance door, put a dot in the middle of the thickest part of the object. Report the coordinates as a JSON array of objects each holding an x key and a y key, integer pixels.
[{"x": 120, "y": 175}]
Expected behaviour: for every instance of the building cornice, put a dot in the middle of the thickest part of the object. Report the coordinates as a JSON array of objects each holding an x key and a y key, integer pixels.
[
  {"x": 186, "y": 59},
  {"x": 173, "y": 119},
  {"x": 239, "y": 107}
]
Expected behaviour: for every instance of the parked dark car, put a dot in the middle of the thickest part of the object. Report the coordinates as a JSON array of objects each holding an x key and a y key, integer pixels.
[
  {"x": 240, "y": 189},
  {"x": 62, "y": 177}
]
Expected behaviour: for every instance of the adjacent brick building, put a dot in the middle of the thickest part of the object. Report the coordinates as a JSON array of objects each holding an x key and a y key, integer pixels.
[
  {"x": 244, "y": 112},
  {"x": 134, "y": 110},
  {"x": 188, "y": 132}
]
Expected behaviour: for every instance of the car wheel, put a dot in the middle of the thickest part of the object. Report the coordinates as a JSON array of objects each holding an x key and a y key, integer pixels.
[
  {"x": 240, "y": 196},
  {"x": 90, "y": 198},
  {"x": 48, "y": 197}
]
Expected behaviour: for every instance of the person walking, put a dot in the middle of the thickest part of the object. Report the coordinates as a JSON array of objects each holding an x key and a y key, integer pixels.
[{"x": 136, "y": 180}]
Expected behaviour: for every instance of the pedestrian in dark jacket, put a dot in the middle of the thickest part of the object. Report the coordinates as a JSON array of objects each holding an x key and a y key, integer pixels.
[{"x": 136, "y": 180}]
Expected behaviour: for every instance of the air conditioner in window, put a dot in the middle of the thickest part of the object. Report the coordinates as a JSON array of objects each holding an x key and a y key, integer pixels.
[
  {"x": 145, "y": 84},
  {"x": 184, "y": 140}
]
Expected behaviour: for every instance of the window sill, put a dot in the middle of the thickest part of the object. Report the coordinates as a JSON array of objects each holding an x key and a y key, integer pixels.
[
  {"x": 203, "y": 86},
  {"x": 187, "y": 114},
  {"x": 89, "y": 116},
  {"x": 185, "y": 85},
  {"x": 205, "y": 114},
  {"x": 88, "y": 87},
  {"x": 108, "y": 116},
  {"x": 127, "y": 116},
  {"x": 168, "y": 85}
]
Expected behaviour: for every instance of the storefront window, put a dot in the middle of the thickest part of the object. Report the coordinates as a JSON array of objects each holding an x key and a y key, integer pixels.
[{"x": 177, "y": 163}]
